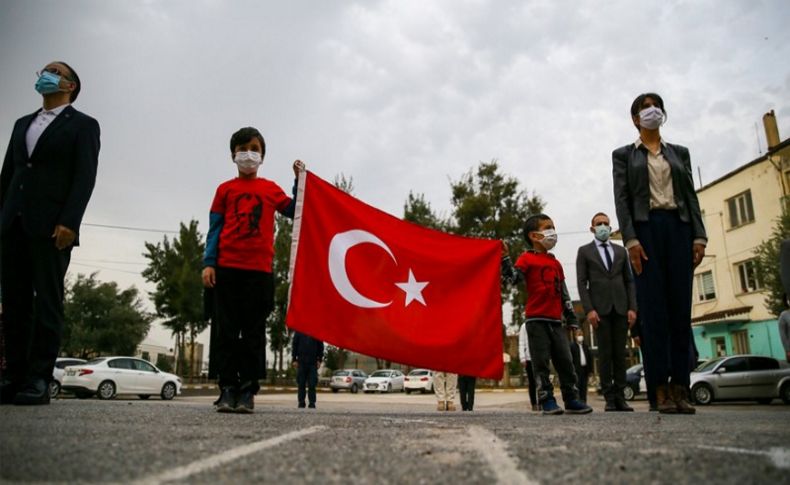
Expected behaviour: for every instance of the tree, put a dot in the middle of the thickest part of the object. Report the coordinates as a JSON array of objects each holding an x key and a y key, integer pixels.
[
  {"x": 418, "y": 210},
  {"x": 175, "y": 267},
  {"x": 767, "y": 263},
  {"x": 335, "y": 357},
  {"x": 279, "y": 334},
  {"x": 100, "y": 319}
]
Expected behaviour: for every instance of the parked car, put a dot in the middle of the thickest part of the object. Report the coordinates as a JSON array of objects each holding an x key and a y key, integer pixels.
[
  {"x": 351, "y": 380},
  {"x": 419, "y": 380},
  {"x": 741, "y": 377},
  {"x": 634, "y": 382},
  {"x": 57, "y": 373},
  {"x": 106, "y": 377},
  {"x": 385, "y": 380}
]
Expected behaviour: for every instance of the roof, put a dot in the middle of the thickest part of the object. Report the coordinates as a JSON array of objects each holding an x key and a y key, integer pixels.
[
  {"x": 723, "y": 316},
  {"x": 760, "y": 159}
]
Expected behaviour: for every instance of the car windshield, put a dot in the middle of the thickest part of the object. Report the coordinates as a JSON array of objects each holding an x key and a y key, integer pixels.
[
  {"x": 381, "y": 373},
  {"x": 96, "y": 361},
  {"x": 418, "y": 373},
  {"x": 340, "y": 373},
  {"x": 708, "y": 365}
]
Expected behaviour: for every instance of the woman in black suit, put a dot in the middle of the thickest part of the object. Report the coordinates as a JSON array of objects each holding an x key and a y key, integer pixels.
[{"x": 661, "y": 223}]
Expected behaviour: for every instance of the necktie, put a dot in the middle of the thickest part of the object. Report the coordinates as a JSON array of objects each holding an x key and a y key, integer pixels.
[{"x": 607, "y": 256}]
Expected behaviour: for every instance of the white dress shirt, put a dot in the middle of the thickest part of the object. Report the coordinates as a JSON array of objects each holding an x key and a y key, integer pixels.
[
  {"x": 39, "y": 124},
  {"x": 523, "y": 344},
  {"x": 582, "y": 357},
  {"x": 601, "y": 249}
]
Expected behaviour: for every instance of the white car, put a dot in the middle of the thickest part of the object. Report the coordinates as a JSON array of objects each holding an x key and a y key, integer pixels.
[
  {"x": 419, "y": 380},
  {"x": 385, "y": 380},
  {"x": 107, "y": 377},
  {"x": 57, "y": 373}
]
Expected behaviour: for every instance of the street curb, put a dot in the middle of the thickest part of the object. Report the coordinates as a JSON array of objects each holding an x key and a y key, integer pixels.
[{"x": 214, "y": 387}]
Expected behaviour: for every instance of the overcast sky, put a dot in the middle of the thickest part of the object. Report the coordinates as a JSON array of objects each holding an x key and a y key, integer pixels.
[{"x": 400, "y": 95}]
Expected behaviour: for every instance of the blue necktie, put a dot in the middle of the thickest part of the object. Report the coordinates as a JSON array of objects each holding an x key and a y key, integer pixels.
[{"x": 606, "y": 255}]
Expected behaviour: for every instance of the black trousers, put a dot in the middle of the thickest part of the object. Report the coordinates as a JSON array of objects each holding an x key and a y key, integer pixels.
[
  {"x": 244, "y": 300},
  {"x": 611, "y": 335},
  {"x": 32, "y": 270},
  {"x": 532, "y": 385},
  {"x": 583, "y": 377},
  {"x": 549, "y": 344},
  {"x": 466, "y": 386},
  {"x": 663, "y": 292},
  {"x": 306, "y": 380}
]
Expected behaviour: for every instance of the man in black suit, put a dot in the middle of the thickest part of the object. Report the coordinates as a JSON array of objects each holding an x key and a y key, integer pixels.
[
  {"x": 606, "y": 288},
  {"x": 582, "y": 363},
  {"x": 307, "y": 354},
  {"x": 47, "y": 179}
]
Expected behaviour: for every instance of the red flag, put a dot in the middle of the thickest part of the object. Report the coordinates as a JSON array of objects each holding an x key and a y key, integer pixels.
[{"x": 366, "y": 281}]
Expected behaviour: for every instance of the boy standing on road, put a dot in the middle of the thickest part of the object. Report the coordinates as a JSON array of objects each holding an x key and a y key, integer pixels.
[
  {"x": 547, "y": 303},
  {"x": 307, "y": 354},
  {"x": 238, "y": 265}
]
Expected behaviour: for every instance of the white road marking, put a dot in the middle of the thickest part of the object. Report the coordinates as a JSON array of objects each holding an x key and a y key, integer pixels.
[
  {"x": 779, "y": 456},
  {"x": 204, "y": 464},
  {"x": 494, "y": 451}
]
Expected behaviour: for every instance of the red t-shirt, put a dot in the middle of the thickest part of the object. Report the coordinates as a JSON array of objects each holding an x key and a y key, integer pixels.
[
  {"x": 543, "y": 278},
  {"x": 247, "y": 237}
]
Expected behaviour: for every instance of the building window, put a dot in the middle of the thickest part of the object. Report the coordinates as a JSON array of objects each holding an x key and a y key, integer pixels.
[
  {"x": 705, "y": 288},
  {"x": 740, "y": 342},
  {"x": 146, "y": 356},
  {"x": 747, "y": 276},
  {"x": 741, "y": 209}
]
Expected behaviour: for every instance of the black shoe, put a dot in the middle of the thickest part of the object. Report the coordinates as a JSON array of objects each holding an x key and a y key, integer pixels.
[
  {"x": 227, "y": 400},
  {"x": 622, "y": 405},
  {"x": 610, "y": 405},
  {"x": 301, "y": 405},
  {"x": 8, "y": 390},
  {"x": 246, "y": 402},
  {"x": 311, "y": 405},
  {"x": 653, "y": 406},
  {"x": 34, "y": 393}
]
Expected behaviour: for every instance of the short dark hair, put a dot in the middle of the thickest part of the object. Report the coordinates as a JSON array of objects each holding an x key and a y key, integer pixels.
[
  {"x": 532, "y": 224},
  {"x": 76, "y": 79},
  {"x": 636, "y": 106},
  {"x": 592, "y": 221},
  {"x": 244, "y": 135}
]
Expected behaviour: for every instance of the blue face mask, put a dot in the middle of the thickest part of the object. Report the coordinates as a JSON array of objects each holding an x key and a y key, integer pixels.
[
  {"x": 602, "y": 232},
  {"x": 48, "y": 83}
]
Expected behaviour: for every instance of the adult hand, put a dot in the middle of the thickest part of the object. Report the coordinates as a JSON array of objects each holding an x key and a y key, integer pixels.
[
  {"x": 318, "y": 365},
  {"x": 209, "y": 277},
  {"x": 637, "y": 341},
  {"x": 64, "y": 237},
  {"x": 631, "y": 318},
  {"x": 298, "y": 167},
  {"x": 505, "y": 250},
  {"x": 295, "y": 364},
  {"x": 699, "y": 253},
  {"x": 636, "y": 254},
  {"x": 593, "y": 318}
]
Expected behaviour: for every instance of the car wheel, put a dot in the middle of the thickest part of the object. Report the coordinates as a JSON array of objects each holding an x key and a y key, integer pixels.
[
  {"x": 354, "y": 389},
  {"x": 143, "y": 396},
  {"x": 765, "y": 400},
  {"x": 784, "y": 393},
  {"x": 168, "y": 391},
  {"x": 408, "y": 391},
  {"x": 702, "y": 393},
  {"x": 334, "y": 389},
  {"x": 628, "y": 393},
  {"x": 106, "y": 390},
  {"x": 54, "y": 389}
]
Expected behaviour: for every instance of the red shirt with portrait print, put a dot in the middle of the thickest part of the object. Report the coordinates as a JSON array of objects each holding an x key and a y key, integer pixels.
[
  {"x": 543, "y": 278},
  {"x": 246, "y": 240}
]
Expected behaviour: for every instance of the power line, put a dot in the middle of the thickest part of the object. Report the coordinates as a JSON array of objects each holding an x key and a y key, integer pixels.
[
  {"x": 129, "y": 228},
  {"x": 106, "y": 269}
]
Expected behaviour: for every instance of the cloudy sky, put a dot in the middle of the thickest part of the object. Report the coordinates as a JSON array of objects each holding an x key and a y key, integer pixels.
[{"x": 400, "y": 95}]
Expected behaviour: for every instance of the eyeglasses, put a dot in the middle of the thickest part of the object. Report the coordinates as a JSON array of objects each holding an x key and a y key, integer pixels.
[{"x": 54, "y": 70}]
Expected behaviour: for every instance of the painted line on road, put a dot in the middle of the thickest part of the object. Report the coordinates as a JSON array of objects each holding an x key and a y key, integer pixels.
[
  {"x": 493, "y": 450},
  {"x": 214, "y": 461},
  {"x": 779, "y": 456}
]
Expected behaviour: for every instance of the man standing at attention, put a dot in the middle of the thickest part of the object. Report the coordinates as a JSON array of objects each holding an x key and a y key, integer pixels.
[
  {"x": 47, "y": 179},
  {"x": 608, "y": 295}
]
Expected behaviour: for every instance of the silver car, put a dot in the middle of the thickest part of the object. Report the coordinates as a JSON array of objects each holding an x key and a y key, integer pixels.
[
  {"x": 349, "y": 379},
  {"x": 741, "y": 377}
]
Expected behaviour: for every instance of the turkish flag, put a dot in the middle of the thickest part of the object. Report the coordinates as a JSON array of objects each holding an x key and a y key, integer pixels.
[{"x": 366, "y": 281}]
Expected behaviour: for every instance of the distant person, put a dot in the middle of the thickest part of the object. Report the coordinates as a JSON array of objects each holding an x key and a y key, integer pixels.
[
  {"x": 547, "y": 303},
  {"x": 582, "y": 363},
  {"x": 444, "y": 386},
  {"x": 526, "y": 362},
  {"x": 784, "y": 330},
  {"x": 661, "y": 223},
  {"x": 307, "y": 354},
  {"x": 47, "y": 180},
  {"x": 608, "y": 295},
  {"x": 649, "y": 384},
  {"x": 238, "y": 265},
  {"x": 466, "y": 388}
]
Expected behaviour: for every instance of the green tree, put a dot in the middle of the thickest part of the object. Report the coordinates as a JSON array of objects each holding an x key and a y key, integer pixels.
[
  {"x": 175, "y": 268},
  {"x": 101, "y": 319},
  {"x": 335, "y": 357},
  {"x": 418, "y": 210},
  {"x": 767, "y": 263},
  {"x": 279, "y": 334}
]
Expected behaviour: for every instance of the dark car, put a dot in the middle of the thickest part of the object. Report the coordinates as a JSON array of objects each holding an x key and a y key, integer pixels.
[{"x": 634, "y": 382}]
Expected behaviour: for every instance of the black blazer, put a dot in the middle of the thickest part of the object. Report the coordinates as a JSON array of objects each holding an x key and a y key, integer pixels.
[
  {"x": 306, "y": 350},
  {"x": 632, "y": 188},
  {"x": 54, "y": 184},
  {"x": 601, "y": 290},
  {"x": 577, "y": 359}
]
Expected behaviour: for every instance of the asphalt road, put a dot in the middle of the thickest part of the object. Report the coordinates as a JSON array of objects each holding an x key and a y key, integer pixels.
[{"x": 387, "y": 439}]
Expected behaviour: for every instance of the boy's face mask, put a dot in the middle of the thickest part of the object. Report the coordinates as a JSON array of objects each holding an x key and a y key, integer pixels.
[
  {"x": 248, "y": 162},
  {"x": 549, "y": 239}
]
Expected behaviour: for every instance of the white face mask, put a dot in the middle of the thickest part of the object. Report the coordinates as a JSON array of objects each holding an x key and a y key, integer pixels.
[
  {"x": 651, "y": 118},
  {"x": 549, "y": 239},
  {"x": 248, "y": 162},
  {"x": 580, "y": 339}
]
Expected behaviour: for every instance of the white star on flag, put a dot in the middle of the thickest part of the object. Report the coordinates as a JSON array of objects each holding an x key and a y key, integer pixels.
[{"x": 413, "y": 289}]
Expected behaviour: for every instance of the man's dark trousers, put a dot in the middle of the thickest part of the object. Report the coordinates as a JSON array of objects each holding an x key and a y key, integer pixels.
[
  {"x": 611, "y": 335},
  {"x": 33, "y": 324},
  {"x": 466, "y": 387},
  {"x": 548, "y": 344},
  {"x": 306, "y": 377},
  {"x": 583, "y": 376}
]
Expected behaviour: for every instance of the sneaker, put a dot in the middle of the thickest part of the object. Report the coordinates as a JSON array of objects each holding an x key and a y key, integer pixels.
[
  {"x": 550, "y": 407},
  {"x": 450, "y": 406},
  {"x": 227, "y": 400},
  {"x": 301, "y": 405},
  {"x": 246, "y": 402},
  {"x": 575, "y": 406},
  {"x": 441, "y": 406}
]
